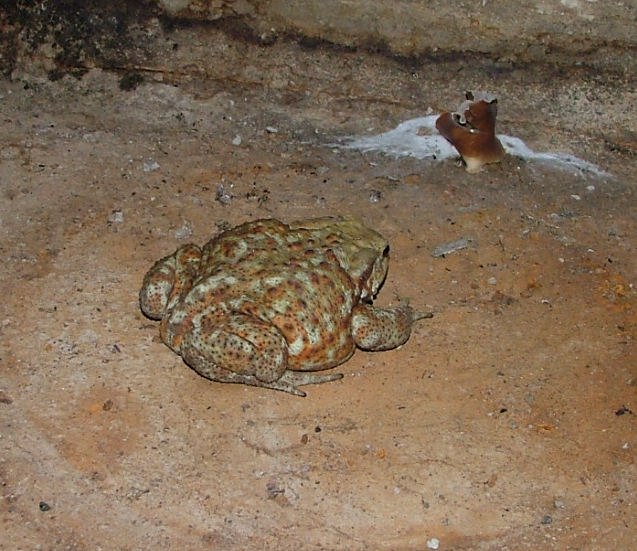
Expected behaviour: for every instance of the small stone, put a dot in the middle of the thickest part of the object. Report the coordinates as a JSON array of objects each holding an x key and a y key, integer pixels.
[
  {"x": 450, "y": 247},
  {"x": 237, "y": 140},
  {"x": 273, "y": 490},
  {"x": 150, "y": 166},
  {"x": 5, "y": 398},
  {"x": 547, "y": 519},
  {"x": 222, "y": 195},
  {"x": 375, "y": 196},
  {"x": 433, "y": 543},
  {"x": 184, "y": 232},
  {"x": 492, "y": 281},
  {"x": 44, "y": 507},
  {"x": 271, "y": 129},
  {"x": 576, "y": 197},
  {"x": 558, "y": 504},
  {"x": 116, "y": 217}
]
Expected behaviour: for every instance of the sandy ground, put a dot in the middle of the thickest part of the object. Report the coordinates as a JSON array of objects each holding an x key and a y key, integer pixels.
[{"x": 506, "y": 422}]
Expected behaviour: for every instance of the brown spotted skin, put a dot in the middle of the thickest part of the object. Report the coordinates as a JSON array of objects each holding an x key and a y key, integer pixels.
[{"x": 266, "y": 303}]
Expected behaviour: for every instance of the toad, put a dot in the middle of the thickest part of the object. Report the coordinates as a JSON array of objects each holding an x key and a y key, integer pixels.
[{"x": 268, "y": 303}]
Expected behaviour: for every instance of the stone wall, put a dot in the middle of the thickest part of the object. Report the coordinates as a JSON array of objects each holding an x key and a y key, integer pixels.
[
  {"x": 585, "y": 31},
  {"x": 70, "y": 35}
]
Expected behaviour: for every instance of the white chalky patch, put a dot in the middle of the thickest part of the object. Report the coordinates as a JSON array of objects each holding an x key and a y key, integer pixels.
[
  {"x": 516, "y": 147},
  {"x": 405, "y": 141}
]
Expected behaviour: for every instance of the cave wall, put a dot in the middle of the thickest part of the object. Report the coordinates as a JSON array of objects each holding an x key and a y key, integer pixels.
[{"x": 57, "y": 37}]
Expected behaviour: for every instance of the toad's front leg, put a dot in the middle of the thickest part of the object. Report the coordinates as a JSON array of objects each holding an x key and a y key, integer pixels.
[
  {"x": 383, "y": 328},
  {"x": 245, "y": 349}
]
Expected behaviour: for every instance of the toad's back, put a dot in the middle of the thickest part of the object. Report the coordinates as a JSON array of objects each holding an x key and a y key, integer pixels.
[{"x": 289, "y": 277}]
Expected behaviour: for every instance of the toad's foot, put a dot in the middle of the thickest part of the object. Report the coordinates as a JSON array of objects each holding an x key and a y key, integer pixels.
[
  {"x": 290, "y": 380},
  {"x": 382, "y": 329}
]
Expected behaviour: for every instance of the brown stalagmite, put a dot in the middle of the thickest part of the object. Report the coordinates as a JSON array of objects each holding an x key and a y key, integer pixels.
[{"x": 471, "y": 130}]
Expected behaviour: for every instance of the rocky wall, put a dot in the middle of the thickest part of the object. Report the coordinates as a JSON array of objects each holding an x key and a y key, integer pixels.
[{"x": 72, "y": 35}]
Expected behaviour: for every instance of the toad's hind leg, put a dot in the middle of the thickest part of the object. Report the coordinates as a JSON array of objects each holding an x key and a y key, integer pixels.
[
  {"x": 239, "y": 343},
  {"x": 381, "y": 329},
  {"x": 244, "y": 349}
]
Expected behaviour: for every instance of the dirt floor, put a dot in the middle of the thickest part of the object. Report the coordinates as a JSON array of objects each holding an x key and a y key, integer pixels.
[{"x": 506, "y": 422}]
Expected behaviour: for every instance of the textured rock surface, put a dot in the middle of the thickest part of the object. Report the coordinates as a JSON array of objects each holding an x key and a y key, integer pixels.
[
  {"x": 511, "y": 31},
  {"x": 565, "y": 32}
]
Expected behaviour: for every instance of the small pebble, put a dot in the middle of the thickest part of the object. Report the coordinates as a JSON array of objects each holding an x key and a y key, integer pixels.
[
  {"x": 375, "y": 196},
  {"x": 433, "y": 543},
  {"x": 5, "y": 398},
  {"x": 492, "y": 281},
  {"x": 150, "y": 166},
  {"x": 116, "y": 217},
  {"x": 273, "y": 490},
  {"x": 450, "y": 247},
  {"x": 271, "y": 129},
  {"x": 558, "y": 504},
  {"x": 237, "y": 140},
  {"x": 184, "y": 232},
  {"x": 575, "y": 196},
  {"x": 44, "y": 507},
  {"x": 222, "y": 195},
  {"x": 547, "y": 519}
]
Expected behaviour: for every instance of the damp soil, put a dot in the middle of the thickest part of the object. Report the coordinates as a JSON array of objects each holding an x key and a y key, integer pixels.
[{"x": 507, "y": 421}]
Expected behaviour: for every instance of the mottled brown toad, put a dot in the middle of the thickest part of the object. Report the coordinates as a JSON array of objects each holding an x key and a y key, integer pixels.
[{"x": 266, "y": 303}]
